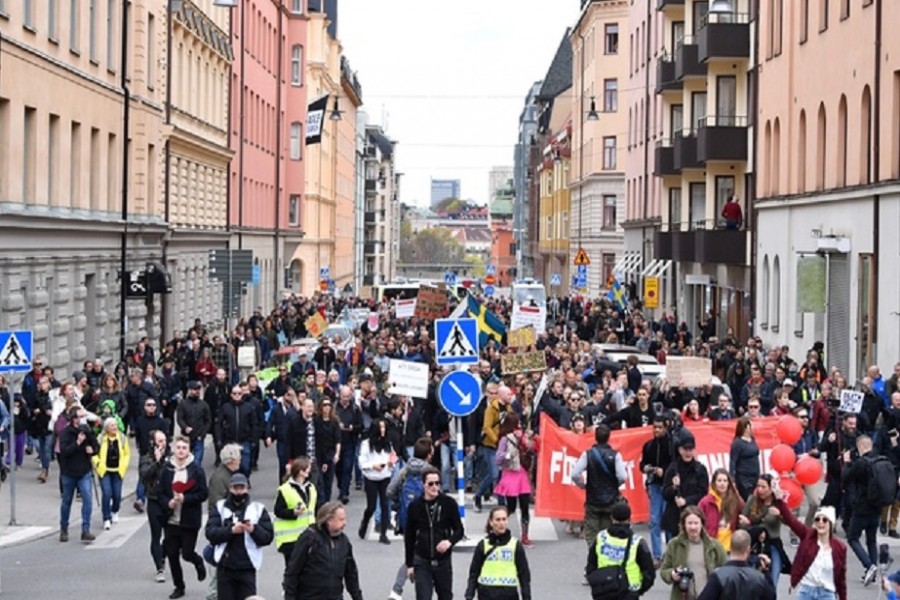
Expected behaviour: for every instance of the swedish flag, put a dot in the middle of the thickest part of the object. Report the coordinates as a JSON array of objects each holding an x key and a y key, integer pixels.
[
  {"x": 616, "y": 295},
  {"x": 489, "y": 324}
]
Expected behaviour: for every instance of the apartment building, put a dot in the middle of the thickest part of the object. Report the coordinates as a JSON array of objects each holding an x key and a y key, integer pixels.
[
  {"x": 828, "y": 156},
  {"x": 381, "y": 217},
  {"x": 704, "y": 97},
  {"x": 80, "y": 177},
  {"x": 599, "y": 131},
  {"x": 522, "y": 183}
]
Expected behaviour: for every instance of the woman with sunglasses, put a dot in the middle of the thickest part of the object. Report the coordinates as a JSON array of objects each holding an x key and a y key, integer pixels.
[
  {"x": 819, "y": 571},
  {"x": 762, "y": 509},
  {"x": 499, "y": 564}
]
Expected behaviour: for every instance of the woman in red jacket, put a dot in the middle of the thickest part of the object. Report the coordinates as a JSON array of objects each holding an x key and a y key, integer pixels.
[
  {"x": 820, "y": 565},
  {"x": 721, "y": 508}
]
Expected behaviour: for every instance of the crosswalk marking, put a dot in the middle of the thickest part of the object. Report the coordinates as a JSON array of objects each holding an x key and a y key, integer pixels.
[
  {"x": 540, "y": 529},
  {"x": 21, "y": 534},
  {"x": 116, "y": 537}
]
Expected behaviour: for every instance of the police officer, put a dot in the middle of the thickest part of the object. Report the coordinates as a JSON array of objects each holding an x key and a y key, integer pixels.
[
  {"x": 609, "y": 550},
  {"x": 295, "y": 507},
  {"x": 499, "y": 565}
]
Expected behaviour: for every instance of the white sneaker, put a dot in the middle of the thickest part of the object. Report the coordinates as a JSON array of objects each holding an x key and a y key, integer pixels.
[
  {"x": 115, "y": 517},
  {"x": 106, "y": 524},
  {"x": 394, "y": 596},
  {"x": 160, "y": 576},
  {"x": 870, "y": 575}
]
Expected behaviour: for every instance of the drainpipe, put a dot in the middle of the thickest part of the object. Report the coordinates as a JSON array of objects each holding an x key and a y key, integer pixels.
[
  {"x": 242, "y": 116},
  {"x": 167, "y": 171},
  {"x": 279, "y": 270},
  {"x": 751, "y": 180},
  {"x": 126, "y": 120},
  {"x": 876, "y": 177}
]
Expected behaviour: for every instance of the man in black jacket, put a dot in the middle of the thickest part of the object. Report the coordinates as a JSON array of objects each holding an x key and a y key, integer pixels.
[
  {"x": 76, "y": 447},
  {"x": 149, "y": 420},
  {"x": 194, "y": 419},
  {"x": 656, "y": 456},
  {"x": 685, "y": 482},
  {"x": 865, "y": 516},
  {"x": 218, "y": 392},
  {"x": 322, "y": 561},
  {"x": 607, "y": 549},
  {"x": 605, "y": 473},
  {"x": 736, "y": 579},
  {"x": 236, "y": 424},
  {"x": 433, "y": 527}
]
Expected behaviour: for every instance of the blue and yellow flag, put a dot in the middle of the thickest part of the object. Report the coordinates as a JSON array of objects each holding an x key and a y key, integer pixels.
[
  {"x": 616, "y": 295},
  {"x": 489, "y": 324}
]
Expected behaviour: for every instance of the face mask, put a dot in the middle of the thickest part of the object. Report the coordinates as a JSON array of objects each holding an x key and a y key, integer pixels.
[{"x": 237, "y": 499}]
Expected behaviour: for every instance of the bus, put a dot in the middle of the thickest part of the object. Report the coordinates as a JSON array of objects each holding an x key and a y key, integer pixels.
[
  {"x": 529, "y": 299},
  {"x": 407, "y": 290}
]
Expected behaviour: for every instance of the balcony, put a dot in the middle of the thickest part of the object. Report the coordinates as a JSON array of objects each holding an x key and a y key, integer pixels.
[
  {"x": 722, "y": 246},
  {"x": 664, "y": 159},
  {"x": 687, "y": 63},
  {"x": 662, "y": 244},
  {"x": 722, "y": 138},
  {"x": 723, "y": 35},
  {"x": 665, "y": 75},
  {"x": 370, "y": 217},
  {"x": 371, "y": 185},
  {"x": 683, "y": 245},
  {"x": 369, "y": 279},
  {"x": 685, "y": 153},
  {"x": 664, "y": 4},
  {"x": 372, "y": 248}
]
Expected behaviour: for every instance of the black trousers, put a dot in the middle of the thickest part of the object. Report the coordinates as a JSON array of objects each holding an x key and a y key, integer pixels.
[
  {"x": 181, "y": 540},
  {"x": 376, "y": 492},
  {"x": 235, "y": 585},
  {"x": 430, "y": 577},
  {"x": 156, "y": 516}
]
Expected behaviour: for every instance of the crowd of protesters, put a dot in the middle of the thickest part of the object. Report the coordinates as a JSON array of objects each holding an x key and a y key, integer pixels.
[{"x": 327, "y": 412}]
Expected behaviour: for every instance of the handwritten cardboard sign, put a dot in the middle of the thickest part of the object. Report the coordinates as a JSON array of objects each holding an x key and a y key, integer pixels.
[
  {"x": 523, "y": 362},
  {"x": 431, "y": 302},
  {"x": 316, "y": 325},
  {"x": 688, "y": 371},
  {"x": 520, "y": 338}
]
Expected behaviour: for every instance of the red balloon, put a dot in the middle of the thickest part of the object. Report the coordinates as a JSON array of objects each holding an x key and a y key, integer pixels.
[
  {"x": 782, "y": 458},
  {"x": 793, "y": 493},
  {"x": 789, "y": 429},
  {"x": 808, "y": 470}
]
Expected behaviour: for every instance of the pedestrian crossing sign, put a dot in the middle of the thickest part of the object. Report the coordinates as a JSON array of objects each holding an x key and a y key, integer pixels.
[
  {"x": 456, "y": 341},
  {"x": 15, "y": 351}
]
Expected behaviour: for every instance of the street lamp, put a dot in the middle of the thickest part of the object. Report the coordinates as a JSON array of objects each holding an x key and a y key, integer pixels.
[
  {"x": 592, "y": 113},
  {"x": 226, "y": 3},
  {"x": 721, "y": 6},
  {"x": 336, "y": 111}
]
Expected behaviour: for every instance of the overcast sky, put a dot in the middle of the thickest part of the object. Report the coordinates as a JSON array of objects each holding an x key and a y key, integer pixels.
[{"x": 450, "y": 78}]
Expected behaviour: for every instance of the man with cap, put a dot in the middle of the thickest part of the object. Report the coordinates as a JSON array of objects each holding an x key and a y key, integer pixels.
[
  {"x": 599, "y": 471},
  {"x": 685, "y": 481},
  {"x": 891, "y": 585},
  {"x": 617, "y": 547},
  {"x": 194, "y": 418},
  {"x": 238, "y": 528},
  {"x": 300, "y": 368}
]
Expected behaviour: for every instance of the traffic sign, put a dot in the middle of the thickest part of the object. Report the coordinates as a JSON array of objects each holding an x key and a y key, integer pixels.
[
  {"x": 323, "y": 285},
  {"x": 450, "y": 278},
  {"x": 324, "y": 273},
  {"x": 459, "y": 393},
  {"x": 456, "y": 341},
  {"x": 488, "y": 290},
  {"x": 651, "y": 292},
  {"x": 15, "y": 351},
  {"x": 581, "y": 270},
  {"x": 491, "y": 269},
  {"x": 490, "y": 280},
  {"x": 556, "y": 279},
  {"x": 582, "y": 258}
]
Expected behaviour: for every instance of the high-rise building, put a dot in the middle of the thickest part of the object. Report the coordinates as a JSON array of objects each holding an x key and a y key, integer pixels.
[
  {"x": 381, "y": 217},
  {"x": 498, "y": 179},
  {"x": 522, "y": 178},
  {"x": 441, "y": 189}
]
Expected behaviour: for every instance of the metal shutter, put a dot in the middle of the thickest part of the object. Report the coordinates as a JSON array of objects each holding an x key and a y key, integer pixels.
[{"x": 838, "y": 351}]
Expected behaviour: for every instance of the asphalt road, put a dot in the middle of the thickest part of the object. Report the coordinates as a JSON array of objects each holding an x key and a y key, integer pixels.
[{"x": 118, "y": 564}]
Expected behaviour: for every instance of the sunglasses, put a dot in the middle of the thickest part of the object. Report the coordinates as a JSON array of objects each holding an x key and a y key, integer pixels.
[
  {"x": 432, "y": 483},
  {"x": 821, "y": 520},
  {"x": 753, "y": 406}
]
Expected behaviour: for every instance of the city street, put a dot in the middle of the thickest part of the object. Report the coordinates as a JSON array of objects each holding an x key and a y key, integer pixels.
[{"x": 33, "y": 563}]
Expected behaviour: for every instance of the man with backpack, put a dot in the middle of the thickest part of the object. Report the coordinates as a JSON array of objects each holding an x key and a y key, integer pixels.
[
  {"x": 619, "y": 563},
  {"x": 404, "y": 489},
  {"x": 872, "y": 485},
  {"x": 605, "y": 473}
]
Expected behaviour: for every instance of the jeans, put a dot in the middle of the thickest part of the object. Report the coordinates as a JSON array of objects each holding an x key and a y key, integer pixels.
[
  {"x": 246, "y": 455},
  {"x": 400, "y": 580},
  {"x": 490, "y": 478},
  {"x": 869, "y": 525},
  {"x": 448, "y": 465},
  {"x": 433, "y": 577},
  {"x": 140, "y": 493},
  {"x": 808, "y": 592},
  {"x": 657, "y": 508},
  {"x": 111, "y": 496},
  {"x": 346, "y": 464},
  {"x": 281, "y": 452},
  {"x": 45, "y": 450},
  {"x": 775, "y": 567},
  {"x": 236, "y": 585},
  {"x": 18, "y": 442},
  {"x": 156, "y": 516},
  {"x": 197, "y": 450},
  {"x": 69, "y": 484}
]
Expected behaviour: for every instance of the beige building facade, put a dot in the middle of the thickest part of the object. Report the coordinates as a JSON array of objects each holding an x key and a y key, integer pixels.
[
  {"x": 599, "y": 130},
  {"x": 829, "y": 181},
  {"x": 64, "y": 204},
  {"x": 381, "y": 215}
]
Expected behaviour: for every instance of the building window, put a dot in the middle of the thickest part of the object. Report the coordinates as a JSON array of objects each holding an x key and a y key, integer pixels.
[
  {"x": 151, "y": 47},
  {"x": 609, "y": 153},
  {"x": 845, "y": 9},
  {"x": 52, "y": 26},
  {"x": 823, "y": 15},
  {"x": 775, "y": 314},
  {"x": 111, "y": 35},
  {"x": 28, "y": 14},
  {"x": 609, "y": 212},
  {"x": 53, "y": 160},
  {"x": 610, "y": 95},
  {"x": 724, "y": 191},
  {"x": 764, "y": 305},
  {"x": 804, "y": 20},
  {"x": 92, "y": 30},
  {"x": 675, "y": 209},
  {"x": 296, "y": 64},
  {"x": 29, "y": 155},
  {"x": 294, "y": 210},
  {"x": 296, "y": 139},
  {"x": 609, "y": 263},
  {"x": 779, "y": 26},
  {"x": 698, "y": 206},
  {"x": 3, "y": 8},
  {"x": 74, "y": 24},
  {"x": 297, "y": 7},
  {"x": 611, "y": 45}
]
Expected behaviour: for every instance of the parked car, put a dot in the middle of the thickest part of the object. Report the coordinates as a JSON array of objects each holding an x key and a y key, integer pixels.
[{"x": 619, "y": 353}]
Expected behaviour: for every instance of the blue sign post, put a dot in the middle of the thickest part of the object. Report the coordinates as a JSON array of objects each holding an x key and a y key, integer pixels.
[
  {"x": 460, "y": 394},
  {"x": 456, "y": 341}
]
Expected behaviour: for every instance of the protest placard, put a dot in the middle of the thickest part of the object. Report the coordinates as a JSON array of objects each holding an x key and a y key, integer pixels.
[
  {"x": 688, "y": 371},
  {"x": 431, "y": 302},
  {"x": 520, "y": 338},
  {"x": 523, "y": 362},
  {"x": 316, "y": 325}
]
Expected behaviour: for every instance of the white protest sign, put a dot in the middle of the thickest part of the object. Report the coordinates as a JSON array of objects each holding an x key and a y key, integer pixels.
[
  {"x": 407, "y": 378},
  {"x": 528, "y": 316},
  {"x": 851, "y": 401},
  {"x": 405, "y": 308},
  {"x": 246, "y": 357}
]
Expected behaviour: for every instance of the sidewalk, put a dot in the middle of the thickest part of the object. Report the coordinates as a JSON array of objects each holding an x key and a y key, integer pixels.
[{"x": 37, "y": 504}]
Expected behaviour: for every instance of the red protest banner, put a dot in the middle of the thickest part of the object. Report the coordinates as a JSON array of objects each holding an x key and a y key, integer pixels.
[{"x": 559, "y": 498}]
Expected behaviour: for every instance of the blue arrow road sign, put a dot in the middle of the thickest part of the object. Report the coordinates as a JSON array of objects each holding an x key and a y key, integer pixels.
[
  {"x": 450, "y": 278},
  {"x": 488, "y": 290},
  {"x": 15, "y": 351},
  {"x": 459, "y": 393},
  {"x": 456, "y": 341}
]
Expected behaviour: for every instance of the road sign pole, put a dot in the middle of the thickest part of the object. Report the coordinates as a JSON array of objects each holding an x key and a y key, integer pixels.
[
  {"x": 9, "y": 450},
  {"x": 461, "y": 471}
]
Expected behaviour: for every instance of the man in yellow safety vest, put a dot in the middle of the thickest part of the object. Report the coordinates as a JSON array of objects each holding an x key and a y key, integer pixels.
[{"x": 619, "y": 563}]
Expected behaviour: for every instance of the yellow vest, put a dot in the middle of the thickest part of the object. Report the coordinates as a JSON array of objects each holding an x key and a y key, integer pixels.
[
  {"x": 499, "y": 567},
  {"x": 288, "y": 530},
  {"x": 611, "y": 553}
]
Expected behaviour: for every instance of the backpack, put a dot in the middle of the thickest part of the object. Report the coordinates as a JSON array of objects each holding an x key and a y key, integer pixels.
[
  {"x": 881, "y": 489},
  {"x": 611, "y": 582},
  {"x": 412, "y": 489}
]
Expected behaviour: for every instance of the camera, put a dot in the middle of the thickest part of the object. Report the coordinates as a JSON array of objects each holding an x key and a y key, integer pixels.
[{"x": 685, "y": 574}]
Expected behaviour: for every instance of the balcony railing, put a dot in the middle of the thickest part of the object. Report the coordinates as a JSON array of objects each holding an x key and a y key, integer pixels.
[
  {"x": 665, "y": 74},
  {"x": 664, "y": 4},
  {"x": 687, "y": 63},
  {"x": 724, "y": 35},
  {"x": 664, "y": 158},
  {"x": 685, "y": 154},
  {"x": 722, "y": 137},
  {"x": 370, "y": 217}
]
